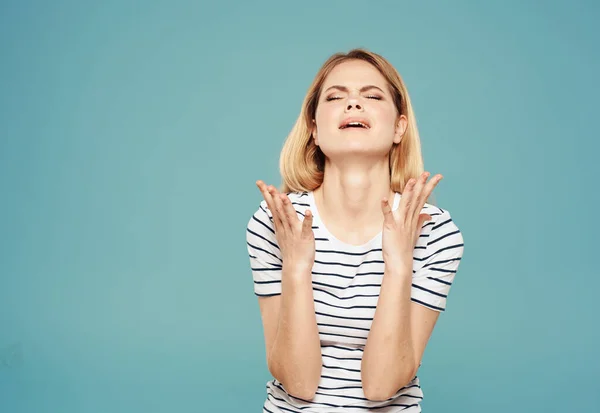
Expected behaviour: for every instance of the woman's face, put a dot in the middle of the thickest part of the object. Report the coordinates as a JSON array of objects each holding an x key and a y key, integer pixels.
[{"x": 355, "y": 92}]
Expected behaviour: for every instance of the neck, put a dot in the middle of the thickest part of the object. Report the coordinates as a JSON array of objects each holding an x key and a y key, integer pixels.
[{"x": 351, "y": 193}]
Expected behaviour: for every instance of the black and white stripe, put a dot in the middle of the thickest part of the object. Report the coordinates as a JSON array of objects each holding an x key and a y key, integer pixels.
[{"x": 346, "y": 283}]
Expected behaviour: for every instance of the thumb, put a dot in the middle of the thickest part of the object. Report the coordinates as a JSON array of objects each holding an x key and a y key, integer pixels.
[
  {"x": 388, "y": 215},
  {"x": 307, "y": 222}
]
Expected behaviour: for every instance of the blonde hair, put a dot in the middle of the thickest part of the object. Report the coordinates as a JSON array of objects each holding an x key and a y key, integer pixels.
[{"x": 302, "y": 163}]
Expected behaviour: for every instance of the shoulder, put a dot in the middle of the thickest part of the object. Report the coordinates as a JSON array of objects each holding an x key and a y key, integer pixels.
[
  {"x": 442, "y": 230},
  {"x": 439, "y": 216},
  {"x": 261, "y": 240},
  {"x": 299, "y": 201},
  {"x": 262, "y": 216}
]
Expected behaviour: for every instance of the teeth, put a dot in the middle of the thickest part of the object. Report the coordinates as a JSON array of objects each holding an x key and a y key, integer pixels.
[{"x": 356, "y": 124}]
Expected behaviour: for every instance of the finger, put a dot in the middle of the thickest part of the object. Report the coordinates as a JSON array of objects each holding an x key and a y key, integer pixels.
[
  {"x": 421, "y": 221},
  {"x": 423, "y": 218},
  {"x": 270, "y": 204},
  {"x": 279, "y": 208},
  {"x": 288, "y": 209},
  {"x": 388, "y": 215},
  {"x": 307, "y": 223},
  {"x": 431, "y": 186},
  {"x": 406, "y": 200},
  {"x": 417, "y": 205}
]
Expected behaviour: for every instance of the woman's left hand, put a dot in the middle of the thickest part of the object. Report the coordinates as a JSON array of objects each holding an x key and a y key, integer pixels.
[{"x": 402, "y": 227}]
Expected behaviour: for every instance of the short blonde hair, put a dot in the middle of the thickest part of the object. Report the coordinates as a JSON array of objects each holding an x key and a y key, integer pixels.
[{"x": 302, "y": 163}]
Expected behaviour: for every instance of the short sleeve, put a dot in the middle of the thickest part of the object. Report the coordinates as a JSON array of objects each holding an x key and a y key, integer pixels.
[
  {"x": 264, "y": 253},
  {"x": 442, "y": 255}
]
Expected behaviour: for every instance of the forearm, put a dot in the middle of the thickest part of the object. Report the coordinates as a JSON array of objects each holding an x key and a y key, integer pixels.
[
  {"x": 296, "y": 353},
  {"x": 388, "y": 360}
]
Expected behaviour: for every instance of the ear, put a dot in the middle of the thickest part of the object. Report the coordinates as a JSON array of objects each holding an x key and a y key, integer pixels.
[
  {"x": 401, "y": 126},
  {"x": 314, "y": 132}
]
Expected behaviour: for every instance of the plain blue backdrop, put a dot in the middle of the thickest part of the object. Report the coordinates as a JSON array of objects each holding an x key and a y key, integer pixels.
[{"x": 131, "y": 135}]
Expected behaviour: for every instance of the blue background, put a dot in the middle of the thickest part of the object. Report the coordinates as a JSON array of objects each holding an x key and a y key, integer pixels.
[{"x": 131, "y": 137}]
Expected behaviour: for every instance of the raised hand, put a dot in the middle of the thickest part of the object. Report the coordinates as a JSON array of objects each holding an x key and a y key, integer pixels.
[
  {"x": 295, "y": 238},
  {"x": 402, "y": 227}
]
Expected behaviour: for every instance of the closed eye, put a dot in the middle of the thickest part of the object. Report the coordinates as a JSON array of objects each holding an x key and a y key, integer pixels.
[{"x": 374, "y": 97}]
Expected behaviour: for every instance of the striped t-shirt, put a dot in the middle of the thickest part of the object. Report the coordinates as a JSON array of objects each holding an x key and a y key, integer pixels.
[{"x": 346, "y": 281}]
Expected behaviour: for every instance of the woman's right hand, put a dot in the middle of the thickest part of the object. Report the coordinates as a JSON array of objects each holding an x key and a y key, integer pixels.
[{"x": 295, "y": 238}]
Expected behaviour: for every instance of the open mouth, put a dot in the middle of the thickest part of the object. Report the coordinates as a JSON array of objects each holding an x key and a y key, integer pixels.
[{"x": 355, "y": 125}]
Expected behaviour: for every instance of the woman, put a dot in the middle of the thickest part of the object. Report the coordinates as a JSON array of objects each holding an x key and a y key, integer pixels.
[{"x": 350, "y": 263}]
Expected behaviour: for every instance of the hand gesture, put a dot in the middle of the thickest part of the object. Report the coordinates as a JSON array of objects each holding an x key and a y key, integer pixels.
[
  {"x": 402, "y": 227},
  {"x": 295, "y": 238}
]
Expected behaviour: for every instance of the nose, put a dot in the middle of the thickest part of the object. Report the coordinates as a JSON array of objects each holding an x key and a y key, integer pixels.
[{"x": 353, "y": 103}]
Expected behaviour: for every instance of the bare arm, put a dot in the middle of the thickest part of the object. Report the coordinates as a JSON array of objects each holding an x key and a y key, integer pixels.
[
  {"x": 400, "y": 329},
  {"x": 291, "y": 334},
  {"x": 397, "y": 339}
]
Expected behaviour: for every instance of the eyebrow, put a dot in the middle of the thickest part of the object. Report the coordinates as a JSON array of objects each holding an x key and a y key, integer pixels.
[{"x": 362, "y": 89}]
